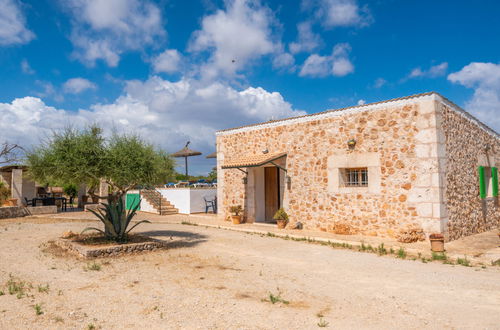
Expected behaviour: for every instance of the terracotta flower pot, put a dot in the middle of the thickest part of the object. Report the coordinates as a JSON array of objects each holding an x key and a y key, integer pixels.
[
  {"x": 12, "y": 202},
  {"x": 236, "y": 219},
  {"x": 437, "y": 242},
  {"x": 281, "y": 224}
]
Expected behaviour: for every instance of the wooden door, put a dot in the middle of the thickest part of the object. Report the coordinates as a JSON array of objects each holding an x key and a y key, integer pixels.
[{"x": 271, "y": 192}]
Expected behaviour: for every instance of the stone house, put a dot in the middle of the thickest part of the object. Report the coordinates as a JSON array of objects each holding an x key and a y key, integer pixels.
[
  {"x": 417, "y": 162},
  {"x": 20, "y": 185}
]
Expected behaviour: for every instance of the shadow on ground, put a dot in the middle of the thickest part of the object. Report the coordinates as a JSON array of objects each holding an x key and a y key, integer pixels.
[{"x": 188, "y": 239}]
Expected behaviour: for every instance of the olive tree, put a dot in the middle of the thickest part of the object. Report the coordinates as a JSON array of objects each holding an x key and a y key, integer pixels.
[{"x": 75, "y": 157}]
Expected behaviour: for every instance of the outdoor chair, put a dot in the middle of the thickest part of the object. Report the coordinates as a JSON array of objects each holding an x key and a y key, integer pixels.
[
  {"x": 65, "y": 203},
  {"x": 170, "y": 185},
  {"x": 210, "y": 204},
  {"x": 28, "y": 202}
]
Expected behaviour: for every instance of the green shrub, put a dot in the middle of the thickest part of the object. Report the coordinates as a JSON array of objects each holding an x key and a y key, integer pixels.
[
  {"x": 4, "y": 193},
  {"x": 281, "y": 215},
  {"x": 116, "y": 219},
  {"x": 236, "y": 209}
]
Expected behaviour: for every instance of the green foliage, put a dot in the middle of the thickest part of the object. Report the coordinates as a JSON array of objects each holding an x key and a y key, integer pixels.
[
  {"x": 71, "y": 190},
  {"x": 17, "y": 287},
  {"x": 401, "y": 253},
  {"x": 94, "y": 266},
  {"x": 381, "y": 250},
  {"x": 38, "y": 309},
  {"x": 464, "y": 261},
  {"x": 73, "y": 157},
  {"x": 276, "y": 298},
  {"x": 4, "y": 193},
  {"x": 439, "y": 256},
  {"x": 236, "y": 209},
  {"x": 281, "y": 215},
  {"x": 116, "y": 220},
  {"x": 43, "y": 288}
]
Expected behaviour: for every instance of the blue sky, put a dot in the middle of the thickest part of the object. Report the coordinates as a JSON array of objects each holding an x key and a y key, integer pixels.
[{"x": 174, "y": 71}]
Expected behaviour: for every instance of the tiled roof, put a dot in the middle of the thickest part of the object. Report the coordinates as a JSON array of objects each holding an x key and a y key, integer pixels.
[{"x": 252, "y": 160}]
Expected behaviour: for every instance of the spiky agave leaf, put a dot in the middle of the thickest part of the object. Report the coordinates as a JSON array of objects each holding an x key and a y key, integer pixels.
[
  {"x": 137, "y": 224},
  {"x": 92, "y": 228},
  {"x": 105, "y": 219}
]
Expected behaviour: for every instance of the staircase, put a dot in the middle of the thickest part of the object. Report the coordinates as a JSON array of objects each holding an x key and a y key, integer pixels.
[{"x": 159, "y": 203}]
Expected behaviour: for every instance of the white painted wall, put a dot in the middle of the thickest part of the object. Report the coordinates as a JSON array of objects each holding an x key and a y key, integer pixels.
[{"x": 188, "y": 200}]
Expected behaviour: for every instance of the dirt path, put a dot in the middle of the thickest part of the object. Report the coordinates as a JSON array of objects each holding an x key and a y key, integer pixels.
[{"x": 217, "y": 279}]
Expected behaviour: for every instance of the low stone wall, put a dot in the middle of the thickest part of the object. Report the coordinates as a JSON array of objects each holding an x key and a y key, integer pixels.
[
  {"x": 108, "y": 251},
  {"x": 13, "y": 212},
  {"x": 22, "y": 211},
  {"x": 37, "y": 210}
]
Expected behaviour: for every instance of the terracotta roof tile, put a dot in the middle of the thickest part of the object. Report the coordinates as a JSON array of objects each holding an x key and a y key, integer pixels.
[{"x": 252, "y": 160}]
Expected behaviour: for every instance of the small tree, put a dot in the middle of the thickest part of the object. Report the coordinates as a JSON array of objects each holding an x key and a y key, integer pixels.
[
  {"x": 10, "y": 153},
  {"x": 74, "y": 157}
]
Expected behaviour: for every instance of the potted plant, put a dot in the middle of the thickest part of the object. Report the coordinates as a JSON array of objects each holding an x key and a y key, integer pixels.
[
  {"x": 437, "y": 242},
  {"x": 4, "y": 194},
  {"x": 236, "y": 213},
  {"x": 281, "y": 218}
]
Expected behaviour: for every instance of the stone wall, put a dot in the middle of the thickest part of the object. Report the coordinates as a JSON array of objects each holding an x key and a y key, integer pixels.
[
  {"x": 22, "y": 211},
  {"x": 402, "y": 135},
  {"x": 466, "y": 143},
  {"x": 13, "y": 212}
]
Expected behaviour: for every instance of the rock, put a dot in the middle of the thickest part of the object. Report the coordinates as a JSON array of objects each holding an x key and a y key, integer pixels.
[{"x": 68, "y": 234}]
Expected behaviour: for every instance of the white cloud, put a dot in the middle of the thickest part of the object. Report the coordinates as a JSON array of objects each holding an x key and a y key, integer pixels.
[
  {"x": 338, "y": 64},
  {"x": 78, "y": 85},
  {"x": 284, "y": 60},
  {"x": 104, "y": 29},
  {"x": 433, "y": 72},
  {"x": 340, "y": 13},
  {"x": 234, "y": 37},
  {"x": 307, "y": 40},
  {"x": 48, "y": 91},
  {"x": 484, "y": 78},
  {"x": 167, "y": 113},
  {"x": 379, "y": 82},
  {"x": 361, "y": 102},
  {"x": 26, "y": 68},
  {"x": 169, "y": 61},
  {"x": 13, "y": 28}
]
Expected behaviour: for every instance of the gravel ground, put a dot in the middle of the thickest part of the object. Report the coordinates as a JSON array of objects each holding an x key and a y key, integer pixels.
[{"x": 218, "y": 279}]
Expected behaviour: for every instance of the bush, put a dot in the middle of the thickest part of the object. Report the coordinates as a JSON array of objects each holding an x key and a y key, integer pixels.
[
  {"x": 236, "y": 209},
  {"x": 115, "y": 219},
  {"x": 71, "y": 190},
  {"x": 281, "y": 215},
  {"x": 4, "y": 193}
]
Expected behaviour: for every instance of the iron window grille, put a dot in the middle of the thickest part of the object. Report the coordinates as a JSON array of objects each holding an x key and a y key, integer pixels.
[{"x": 355, "y": 177}]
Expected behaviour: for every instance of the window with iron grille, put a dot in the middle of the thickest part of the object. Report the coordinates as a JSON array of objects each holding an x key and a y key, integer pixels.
[{"x": 355, "y": 177}]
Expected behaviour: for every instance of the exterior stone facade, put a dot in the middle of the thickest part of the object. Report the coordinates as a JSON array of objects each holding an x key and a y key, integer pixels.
[
  {"x": 406, "y": 145},
  {"x": 468, "y": 145}
]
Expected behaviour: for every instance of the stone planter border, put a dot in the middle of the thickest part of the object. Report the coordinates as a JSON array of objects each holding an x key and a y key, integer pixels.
[{"x": 86, "y": 251}]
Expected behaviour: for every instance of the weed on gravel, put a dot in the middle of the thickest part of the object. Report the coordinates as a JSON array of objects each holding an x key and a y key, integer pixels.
[
  {"x": 322, "y": 323},
  {"x": 43, "y": 288},
  {"x": 93, "y": 266},
  {"x": 17, "y": 287},
  {"x": 464, "y": 262},
  {"x": 276, "y": 298},
  {"x": 38, "y": 309}
]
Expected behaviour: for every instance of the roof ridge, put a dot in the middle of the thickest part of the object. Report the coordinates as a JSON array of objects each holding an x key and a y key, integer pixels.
[{"x": 338, "y": 109}]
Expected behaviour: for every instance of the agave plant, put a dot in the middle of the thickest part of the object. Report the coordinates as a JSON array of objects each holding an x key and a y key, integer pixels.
[{"x": 116, "y": 219}]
